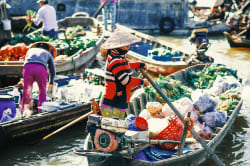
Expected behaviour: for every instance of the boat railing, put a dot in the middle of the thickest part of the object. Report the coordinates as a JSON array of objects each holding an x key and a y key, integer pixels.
[{"x": 11, "y": 62}]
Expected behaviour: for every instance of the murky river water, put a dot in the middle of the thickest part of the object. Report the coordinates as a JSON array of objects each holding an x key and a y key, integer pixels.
[{"x": 234, "y": 149}]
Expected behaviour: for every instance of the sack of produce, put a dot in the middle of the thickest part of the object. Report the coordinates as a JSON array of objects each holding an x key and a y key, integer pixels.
[
  {"x": 221, "y": 84},
  {"x": 215, "y": 118},
  {"x": 204, "y": 102}
]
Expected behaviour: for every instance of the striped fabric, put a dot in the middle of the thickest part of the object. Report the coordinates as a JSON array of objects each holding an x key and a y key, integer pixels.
[{"x": 119, "y": 80}]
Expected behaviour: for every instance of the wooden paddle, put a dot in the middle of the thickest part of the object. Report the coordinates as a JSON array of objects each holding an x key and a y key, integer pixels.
[
  {"x": 194, "y": 133},
  {"x": 242, "y": 32},
  {"x": 68, "y": 125},
  {"x": 100, "y": 8},
  {"x": 95, "y": 110}
]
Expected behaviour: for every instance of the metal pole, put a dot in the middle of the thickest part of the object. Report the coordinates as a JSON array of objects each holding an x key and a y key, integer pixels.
[{"x": 195, "y": 134}]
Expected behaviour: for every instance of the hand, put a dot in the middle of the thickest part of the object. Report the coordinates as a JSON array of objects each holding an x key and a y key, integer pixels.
[
  {"x": 20, "y": 83},
  {"x": 190, "y": 122},
  {"x": 28, "y": 19},
  {"x": 142, "y": 65},
  {"x": 145, "y": 82},
  {"x": 50, "y": 88},
  {"x": 145, "y": 67}
]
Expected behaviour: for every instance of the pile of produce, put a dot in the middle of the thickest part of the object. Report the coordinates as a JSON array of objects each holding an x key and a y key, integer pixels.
[
  {"x": 163, "y": 54},
  {"x": 173, "y": 89},
  {"x": 215, "y": 93},
  {"x": 205, "y": 78},
  {"x": 28, "y": 39},
  {"x": 229, "y": 99},
  {"x": 19, "y": 44},
  {"x": 76, "y": 31},
  {"x": 13, "y": 52}
]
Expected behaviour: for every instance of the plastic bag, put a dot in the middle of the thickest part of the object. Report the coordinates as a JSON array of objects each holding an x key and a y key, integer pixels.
[
  {"x": 215, "y": 118},
  {"x": 203, "y": 102},
  {"x": 221, "y": 84},
  {"x": 156, "y": 125}
]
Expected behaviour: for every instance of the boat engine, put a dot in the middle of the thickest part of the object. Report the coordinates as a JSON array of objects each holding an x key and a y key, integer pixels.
[
  {"x": 106, "y": 133},
  {"x": 199, "y": 38}
]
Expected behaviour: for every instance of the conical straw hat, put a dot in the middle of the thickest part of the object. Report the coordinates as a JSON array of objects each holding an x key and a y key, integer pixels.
[
  {"x": 119, "y": 38},
  {"x": 51, "y": 47}
]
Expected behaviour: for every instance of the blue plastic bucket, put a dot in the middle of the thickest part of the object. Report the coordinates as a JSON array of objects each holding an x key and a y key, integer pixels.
[{"x": 7, "y": 108}]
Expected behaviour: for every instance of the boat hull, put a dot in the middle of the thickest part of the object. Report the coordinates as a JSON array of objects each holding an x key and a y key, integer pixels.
[
  {"x": 76, "y": 61},
  {"x": 193, "y": 158},
  {"x": 236, "y": 43},
  {"x": 40, "y": 123},
  {"x": 154, "y": 66}
]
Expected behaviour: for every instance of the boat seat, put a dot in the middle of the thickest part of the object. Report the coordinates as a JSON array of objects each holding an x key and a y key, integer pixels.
[{"x": 80, "y": 14}]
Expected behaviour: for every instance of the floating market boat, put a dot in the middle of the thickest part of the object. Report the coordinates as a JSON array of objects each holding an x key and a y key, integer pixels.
[
  {"x": 71, "y": 100},
  {"x": 160, "y": 56},
  {"x": 237, "y": 42},
  {"x": 79, "y": 42},
  {"x": 98, "y": 151}
]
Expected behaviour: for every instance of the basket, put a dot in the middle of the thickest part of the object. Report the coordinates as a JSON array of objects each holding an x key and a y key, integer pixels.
[{"x": 172, "y": 132}]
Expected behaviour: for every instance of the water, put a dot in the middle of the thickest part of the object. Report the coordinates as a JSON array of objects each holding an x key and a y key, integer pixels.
[{"x": 234, "y": 149}]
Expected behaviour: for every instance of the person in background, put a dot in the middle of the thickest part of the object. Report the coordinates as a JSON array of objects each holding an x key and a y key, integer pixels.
[
  {"x": 109, "y": 11},
  {"x": 37, "y": 58},
  {"x": 118, "y": 75},
  {"x": 248, "y": 28},
  {"x": 218, "y": 11},
  {"x": 47, "y": 15}
]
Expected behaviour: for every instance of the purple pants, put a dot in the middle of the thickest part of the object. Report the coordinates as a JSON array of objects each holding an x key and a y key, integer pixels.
[{"x": 32, "y": 73}]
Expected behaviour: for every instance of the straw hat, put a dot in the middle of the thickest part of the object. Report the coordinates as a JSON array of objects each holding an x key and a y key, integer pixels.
[
  {"x": 154, "y": 107},
  {"x": 8, "y": 6},
  {"x": 46, "y": 46},
  {"x": 119, "y": 38}
]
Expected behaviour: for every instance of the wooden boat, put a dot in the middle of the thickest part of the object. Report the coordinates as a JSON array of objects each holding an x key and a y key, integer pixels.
[
  {"x": 156, "y": 66},
  {"x": 194, "y": 157},
  {"x": 237, "y": 42},
  {"x": 55, "y": 114},
  {"x": 78, "y": 60}
]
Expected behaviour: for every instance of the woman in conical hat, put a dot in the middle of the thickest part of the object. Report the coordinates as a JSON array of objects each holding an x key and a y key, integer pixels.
[
  {"x": 37, "y": 59},
  {"x": 118, "y": 75}
]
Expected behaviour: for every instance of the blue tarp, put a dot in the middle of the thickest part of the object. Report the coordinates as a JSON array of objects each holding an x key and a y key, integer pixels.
[{"x": 156, "y": 154}]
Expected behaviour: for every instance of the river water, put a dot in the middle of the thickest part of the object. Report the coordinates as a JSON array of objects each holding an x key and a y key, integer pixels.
[{"x": 234, "y": 149}]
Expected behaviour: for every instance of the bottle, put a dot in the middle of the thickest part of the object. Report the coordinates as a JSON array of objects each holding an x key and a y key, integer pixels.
[{"x": 16, "y": 95}]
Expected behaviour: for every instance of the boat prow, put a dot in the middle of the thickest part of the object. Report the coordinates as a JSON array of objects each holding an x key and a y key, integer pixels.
[{"x": 236, "y": 42}]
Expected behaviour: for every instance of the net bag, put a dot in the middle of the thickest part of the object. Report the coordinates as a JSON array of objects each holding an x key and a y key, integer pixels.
[{"x": 172, "y": 132}]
